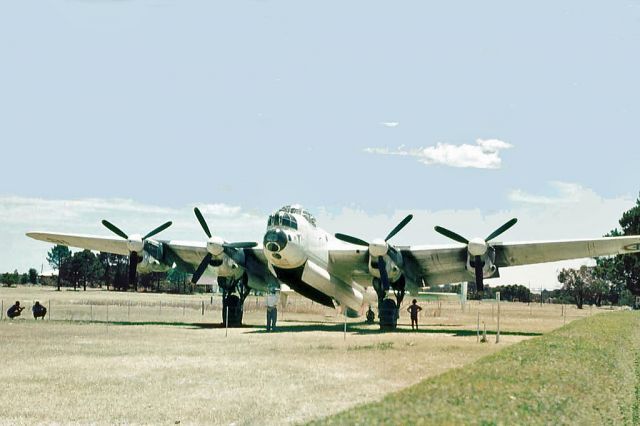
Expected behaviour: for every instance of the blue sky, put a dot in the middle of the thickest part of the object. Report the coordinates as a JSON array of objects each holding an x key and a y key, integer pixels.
[{"x": 247, "y": 105}]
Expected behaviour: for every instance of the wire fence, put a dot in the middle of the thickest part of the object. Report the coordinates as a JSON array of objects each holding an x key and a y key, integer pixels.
[{"x": 133, "y": 310}]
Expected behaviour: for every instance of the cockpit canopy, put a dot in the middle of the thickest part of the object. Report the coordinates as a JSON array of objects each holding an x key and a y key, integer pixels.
[{"x": 285, "y": 217}]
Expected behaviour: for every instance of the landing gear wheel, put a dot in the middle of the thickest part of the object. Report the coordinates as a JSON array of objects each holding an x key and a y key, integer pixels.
[
  {"x": 234, "y": 293},
  {"x": 388, "y": 314},
  {"x": 233, "y": 311}
]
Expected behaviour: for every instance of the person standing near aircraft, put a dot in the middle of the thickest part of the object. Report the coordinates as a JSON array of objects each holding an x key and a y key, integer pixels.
[
  {"x": 272, "y": 309},
  {"x": 413, "y": 309}
]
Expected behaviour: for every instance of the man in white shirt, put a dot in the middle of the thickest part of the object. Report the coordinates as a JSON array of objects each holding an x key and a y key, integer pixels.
[{"x": 272, "y": 309}]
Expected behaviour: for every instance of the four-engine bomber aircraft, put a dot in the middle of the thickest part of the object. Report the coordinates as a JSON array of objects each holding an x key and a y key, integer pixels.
[{"x": 335, "y": 270}]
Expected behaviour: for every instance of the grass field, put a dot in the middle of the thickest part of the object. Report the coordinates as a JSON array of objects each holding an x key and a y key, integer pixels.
[
  {"x": 585, "y": 373},
  {"x": 158, "y": 360}
]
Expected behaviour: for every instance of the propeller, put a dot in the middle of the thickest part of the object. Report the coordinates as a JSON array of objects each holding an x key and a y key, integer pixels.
[
  {"x": 216, "y": 246},
  {"x": 135, "y": 244},
  {"x": 378, "y": 248},
  {"x": 477, "y": 247}
]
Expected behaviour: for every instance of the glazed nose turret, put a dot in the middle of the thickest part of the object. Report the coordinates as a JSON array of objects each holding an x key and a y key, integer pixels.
[{"x": 275, "y": 240}]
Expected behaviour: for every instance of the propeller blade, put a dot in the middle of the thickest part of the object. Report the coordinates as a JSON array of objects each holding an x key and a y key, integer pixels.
[
  {"x": 201, "y": 268},
  {"x": 239, "y": 245},
  {"x": 157, "y": 230},
  {"x": 111, "y": 227},
  {"x": 479, "y": 275},
  {"x": 352, "y": 240},
  {"x": 451, "y": 234},
  {"x": 133, "y": 264},
  {"x": 203, "y": 223},
  {"x": 399, "y": 227},
  {"x": 384, "y": 278},
  {"x": 503, "y": 228}
]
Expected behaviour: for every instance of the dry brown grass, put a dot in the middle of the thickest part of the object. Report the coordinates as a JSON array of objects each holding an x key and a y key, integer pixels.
[{"x": 187, "y": 370}]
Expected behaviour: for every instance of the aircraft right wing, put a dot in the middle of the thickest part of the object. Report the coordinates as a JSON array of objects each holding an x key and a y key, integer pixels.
[{"x": 115, "y": 245}]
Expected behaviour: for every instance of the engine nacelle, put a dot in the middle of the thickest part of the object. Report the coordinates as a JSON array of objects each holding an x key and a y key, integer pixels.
[
  {"x": 229, "y": 268},
  {"x": 394, "y": 270},
  {"x": 152, "y": 258},
  {"x": 151, "y": 264},
  {"x": 488, "y": 263}
]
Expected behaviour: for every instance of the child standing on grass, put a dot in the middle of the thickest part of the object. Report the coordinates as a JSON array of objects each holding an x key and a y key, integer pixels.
[{"x": 413, "y": 309}]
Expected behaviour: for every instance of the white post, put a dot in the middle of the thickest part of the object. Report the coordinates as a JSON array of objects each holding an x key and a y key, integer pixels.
[
  {"x": 463, "y": 294},
  {"x": 226, "y": 322},
  {"x": 345, "y": 325},
  {"x": 498, "y": 328}
]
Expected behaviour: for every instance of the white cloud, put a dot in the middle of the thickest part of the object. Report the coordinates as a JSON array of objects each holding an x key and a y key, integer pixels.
[
  {"x": 567, "y": 193},
  {"x": 390, "y": 124},
  {"x": 485, "y": 154},
  {"x": 220, "y": 210}
]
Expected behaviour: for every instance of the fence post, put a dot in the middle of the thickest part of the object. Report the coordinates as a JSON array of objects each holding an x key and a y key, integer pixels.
[
  {"x": 2, "y": 310},
  {"x": 202, "y": 307},
  {"x": 128, "y": 310},
  {"x": 49, "y": 309},
  {"x": 478, "y": 328},
  {"x": 91, "y": 314},
  {"x": 226, "y": 323},
  {"x": 345, "y": 325},
  {"x": 498, "y": 329}
]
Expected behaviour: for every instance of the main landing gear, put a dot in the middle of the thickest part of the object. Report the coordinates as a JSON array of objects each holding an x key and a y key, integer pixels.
[
  {"x": 234, "y": 293},
  {"x": 389, "y": 309}
]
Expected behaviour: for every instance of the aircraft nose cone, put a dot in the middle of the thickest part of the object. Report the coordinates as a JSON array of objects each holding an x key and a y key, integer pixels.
[{"x": 275, "y": 240}]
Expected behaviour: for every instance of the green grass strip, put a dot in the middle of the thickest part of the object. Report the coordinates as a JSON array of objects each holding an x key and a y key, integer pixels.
[{"x": 587, "y": 372}]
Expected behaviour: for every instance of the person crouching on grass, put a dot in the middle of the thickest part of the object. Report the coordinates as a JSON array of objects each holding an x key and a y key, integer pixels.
[
  {"x": 413, "y": 309},
  {"x": 15, "y": 310}
]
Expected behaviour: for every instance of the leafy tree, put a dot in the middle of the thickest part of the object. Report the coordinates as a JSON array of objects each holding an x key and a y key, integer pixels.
[
  {"x": 11, "y": 278},
  {"x": 513, "y": 292},
  {"x": 574, "y": 282},
  {"x": 33, "y": 276},
  {"x": 115, "y": 270},
  {"x": 24, "y": 278},
  {"x": 177, "y": 278},
  {"x": 82, "y": 268},
  {"x": 56, "y": 258},
  {"x": 623, "y": 268}
]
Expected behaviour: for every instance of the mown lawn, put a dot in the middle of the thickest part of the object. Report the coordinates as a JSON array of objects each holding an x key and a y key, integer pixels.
[{"x": 587, "y": 372}]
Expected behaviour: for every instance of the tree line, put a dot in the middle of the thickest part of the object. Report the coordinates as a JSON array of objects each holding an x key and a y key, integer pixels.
[{"x": 614, "y": 279}]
